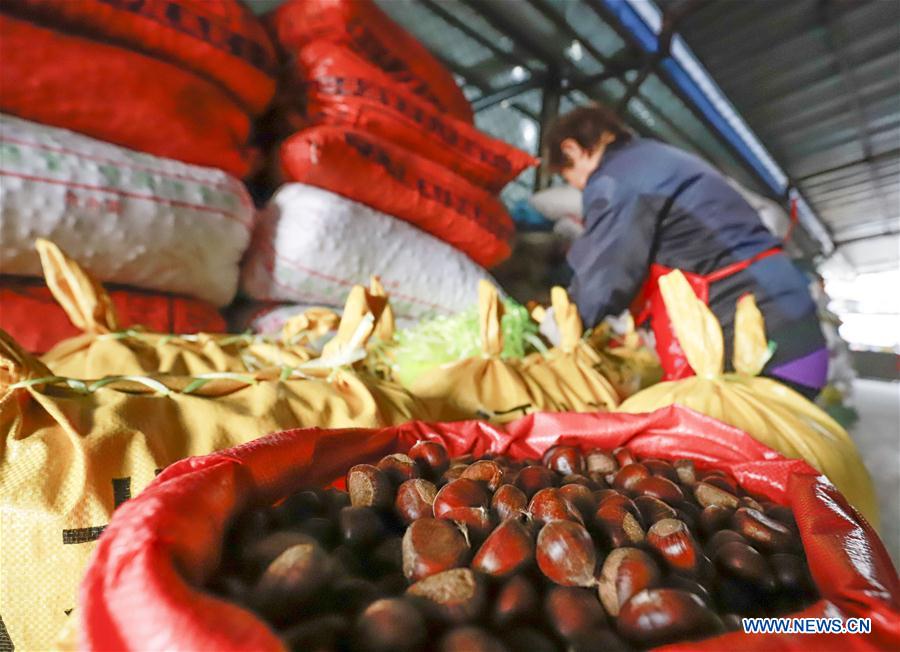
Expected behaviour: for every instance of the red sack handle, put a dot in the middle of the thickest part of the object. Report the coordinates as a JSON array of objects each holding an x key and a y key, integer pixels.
[{"x": 140, "y": 589}]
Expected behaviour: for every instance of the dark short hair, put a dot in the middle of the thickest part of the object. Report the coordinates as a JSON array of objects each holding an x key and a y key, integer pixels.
[{"x": 586, "y": 126}]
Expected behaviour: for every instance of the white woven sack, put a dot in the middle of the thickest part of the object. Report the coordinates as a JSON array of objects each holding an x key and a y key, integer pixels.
[
  {"x": 127, "y": 217},
  {"x": 311, "y": 246}
]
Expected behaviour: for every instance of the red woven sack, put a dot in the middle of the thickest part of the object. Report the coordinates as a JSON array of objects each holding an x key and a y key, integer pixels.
[
  {"x": 119, "y": 96},
  {"x": 35, "y": 320},
  {"x": 341, "y": 88},
  {"x": 140, "y": 591},
  {"x": 401, "y": 183},
  {"x": 361, "y": 25},
  {"x": 220, "y": 40}
]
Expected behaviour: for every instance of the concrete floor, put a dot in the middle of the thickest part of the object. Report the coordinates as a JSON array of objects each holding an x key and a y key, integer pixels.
[{"x": 877, "y": 434}]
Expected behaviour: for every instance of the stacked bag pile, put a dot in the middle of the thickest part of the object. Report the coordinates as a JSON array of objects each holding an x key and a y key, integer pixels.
[
  {"x": 124, "y": 131},
  {"x": 380, "y": 148}
]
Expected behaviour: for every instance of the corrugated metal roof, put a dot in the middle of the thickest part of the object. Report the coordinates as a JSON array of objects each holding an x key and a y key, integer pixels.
[{"x": 819, "y": 82}]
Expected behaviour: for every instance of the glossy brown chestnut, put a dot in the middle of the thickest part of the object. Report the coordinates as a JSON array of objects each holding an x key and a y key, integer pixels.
[
  {"x": 629, "y": 475},
  {"x": 432, "y": 458},
  {"x": 573, "y": 611},
  {"x": 792, "y": 573},
  {"x": 661, "y": 468},
  {"x": 509, "y": 502},
  {"x": 714, "y": 518},
  {"x": 659, "y": 487},
  {"x": 623, "y": 456},
  {"x": 763, "y": 531},
  {"x": 744, "y": 563},
  {"x": 369, "y": 487},
  {"x": 431, "y": 546},
  {"x": 625, "y": 571},
  {"x": 415, "y": 499},
  {"x": 687, "y": 473},
  {"x": 532, "y": 479},
  {"x": 565, "y": 553},
  {"x": 390, "y": 624},
  {"x": 653, "y": 509},
  {"x": 398, "y": 467},
  {"x": 455, "y": 596},
  {"x": 360, "y": 527},
  {"x": 657, "y": 616},
  {"x": 673, "y": 540},
  {"x": 291, "y": 580},
  {"x": 470, "y": 639},
  {"x": 507, "y": 549},
  {"x": 549, "y": 505},
  {"x": 516, "y": 601},
  {"x": 600, "y": 462},
  {"x": 487, "y": 472},
  {"x": 581, "y": 497},
  {"x": 709, "y": 494},
  {"x": 565, "y": 460}
]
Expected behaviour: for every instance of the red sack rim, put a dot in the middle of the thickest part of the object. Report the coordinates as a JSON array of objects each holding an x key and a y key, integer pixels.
[{"x": 160, "y": 545}]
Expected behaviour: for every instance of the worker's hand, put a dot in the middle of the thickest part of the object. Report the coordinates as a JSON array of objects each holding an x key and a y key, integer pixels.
[{"x": 549, "y": 329}]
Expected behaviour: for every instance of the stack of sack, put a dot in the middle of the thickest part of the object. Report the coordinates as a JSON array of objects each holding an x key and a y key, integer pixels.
[
  {"x": 381, "y": 150},
  {"x": 124, "y": 131}
]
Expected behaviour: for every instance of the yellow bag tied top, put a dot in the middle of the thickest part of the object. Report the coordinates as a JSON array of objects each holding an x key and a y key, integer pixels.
[
  {"x": 105, "y": 350},
  {"x": 484, "y": 387},
  {"x": 72, "y": 450},
  {"x": 568, "y": 372},
  {"x": 769, "y": 411}
]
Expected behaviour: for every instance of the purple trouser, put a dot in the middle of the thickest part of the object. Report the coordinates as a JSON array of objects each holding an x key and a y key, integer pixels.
[{"x": 807, "y": 375}]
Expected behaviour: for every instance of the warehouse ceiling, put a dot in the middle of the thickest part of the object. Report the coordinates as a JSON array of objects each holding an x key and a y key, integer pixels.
[
  {"x": 816, "y": 80},
  {"x": 819, "y": 83}
]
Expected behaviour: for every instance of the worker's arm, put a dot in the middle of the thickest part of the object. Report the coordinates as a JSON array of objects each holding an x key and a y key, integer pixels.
[{"x": 610, "y": 260}]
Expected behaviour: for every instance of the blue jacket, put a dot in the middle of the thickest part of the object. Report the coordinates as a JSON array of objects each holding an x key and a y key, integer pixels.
[{"x": 649, "y": 202}]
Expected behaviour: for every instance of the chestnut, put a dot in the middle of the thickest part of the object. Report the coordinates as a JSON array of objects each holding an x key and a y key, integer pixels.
[
  {"x": 507, "y": 549},
  {"x": 673, "y": 540},
  {"x": 530, "y": 639},
  {"x": 744, "y": 563},
  {"x": 431, "y": 457},
  {"x": 565, "y": 553},
  {"x": 369, "y": 487},
  {"x": 455, "y": 596},
  {"x": 617, "y": 525},
  {"x": 549, "y": 505},
  {"x": 623, "y": 456},
  {"x": 431, "y": 546},
  {"x": 390, "y": 624},
  {"x": 653, "y": 509},
  {"x": 572, "y": 611},
  {"x": 657, "y": 616},
  {"x": 708, "y": 494},
  {"x": 714, "y": 519},
  {"x": 792, "y": 573},
  {"x": 517, "y": 600},
  {"x": 485, "y": 471},
  {"x": 317, "y": 633},
  {"x": 722, "y": 537},
  {"x": 600, "y": 462},
  {"x": 581, "y": 497},
  {"x": 470, "y": 639},
  {"x": 532, "y": 479},
  {"x": 576, "y": 478},
  {"x": 293, "y": 578},
  {"x": 509, "y": 502},
  {"x": 629, "y": 475},
  {"x": 687, "y": 473},
  {"x": 415, "y": 499},
  {"x": 625, "y": 571},
  {"x": 722, "y": 481},
  {"x": 360, "y": 527},
  {"x": 465, "y": 501},
  {"x": 658, "y": 487},
  {"x": 398, "y": 467},
  {"x": 763, "y": 531},
  {"x": 661, "y": 468},
  {"x": 565, "y": 460}
]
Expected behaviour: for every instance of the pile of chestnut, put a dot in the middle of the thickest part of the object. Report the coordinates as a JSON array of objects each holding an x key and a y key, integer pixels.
[{"x": 578, "y": 551}]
